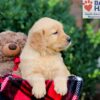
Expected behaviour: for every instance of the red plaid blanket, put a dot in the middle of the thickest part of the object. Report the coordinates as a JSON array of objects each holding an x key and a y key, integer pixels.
[
  {"x": 16, "y": 88},
  {"x": 13, "y": 87}
]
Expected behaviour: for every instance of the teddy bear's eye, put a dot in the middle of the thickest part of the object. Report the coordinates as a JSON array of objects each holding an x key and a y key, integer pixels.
[{"x": 55, "y": 33}]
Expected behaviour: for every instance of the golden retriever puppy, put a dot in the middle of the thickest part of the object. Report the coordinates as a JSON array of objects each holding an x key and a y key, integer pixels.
[{"x": 41, "y": 59}]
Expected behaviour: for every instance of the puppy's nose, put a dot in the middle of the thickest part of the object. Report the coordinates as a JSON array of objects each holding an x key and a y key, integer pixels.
[
  {"x": 12, "y": 46},
  {"x": 68, "y": 39}
]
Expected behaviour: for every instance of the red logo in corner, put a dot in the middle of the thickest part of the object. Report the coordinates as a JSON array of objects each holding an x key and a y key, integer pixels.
[{"x": 87, "y": 5}]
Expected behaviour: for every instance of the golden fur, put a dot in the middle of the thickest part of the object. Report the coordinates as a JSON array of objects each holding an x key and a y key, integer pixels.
[{"x": 41, "y": 58}]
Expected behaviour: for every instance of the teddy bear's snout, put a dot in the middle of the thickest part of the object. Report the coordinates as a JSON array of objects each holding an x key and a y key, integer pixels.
[
  {"x": 11, "y": 49},
  {"x": 12, "y": 46}
]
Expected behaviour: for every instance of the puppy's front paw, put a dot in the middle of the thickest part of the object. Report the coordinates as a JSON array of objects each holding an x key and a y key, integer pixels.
[
  {"x": 60, "y": 86},
  {"x": 39, "y": 91}
]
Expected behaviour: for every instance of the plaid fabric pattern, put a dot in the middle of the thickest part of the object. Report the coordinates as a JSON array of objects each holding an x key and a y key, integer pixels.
[{"x": 15, "y": 88}]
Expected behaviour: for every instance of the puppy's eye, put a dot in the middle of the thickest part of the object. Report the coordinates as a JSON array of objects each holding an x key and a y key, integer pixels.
[{"x": 55, "y": 33}]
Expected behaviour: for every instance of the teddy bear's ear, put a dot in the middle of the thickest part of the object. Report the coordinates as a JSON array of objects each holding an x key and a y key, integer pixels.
[{"x": 37, "y": 41}]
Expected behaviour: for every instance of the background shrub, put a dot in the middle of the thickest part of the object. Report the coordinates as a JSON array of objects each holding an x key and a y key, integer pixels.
[
  {"x": 81, "y": 57},
  {"x": 21, "y": 14}
]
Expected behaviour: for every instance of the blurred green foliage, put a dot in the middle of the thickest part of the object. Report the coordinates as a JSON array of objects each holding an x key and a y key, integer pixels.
[
  {"x": 81, "y": 57},
  {"x": 92, "y": 35},
  {"x": 21, "y": 14}
]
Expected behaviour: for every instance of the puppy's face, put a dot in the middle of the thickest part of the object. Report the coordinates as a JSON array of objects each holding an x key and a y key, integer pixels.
[
  {"x": 56, "y": 39},
  {"x": 49, "y": 36}
]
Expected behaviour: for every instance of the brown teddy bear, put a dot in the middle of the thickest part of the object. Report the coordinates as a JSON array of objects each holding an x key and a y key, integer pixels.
[{"x": 11, "y": 45}]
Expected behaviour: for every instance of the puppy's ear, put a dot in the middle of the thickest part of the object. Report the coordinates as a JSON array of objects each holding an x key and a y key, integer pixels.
[{"x": 37, "y": 41}]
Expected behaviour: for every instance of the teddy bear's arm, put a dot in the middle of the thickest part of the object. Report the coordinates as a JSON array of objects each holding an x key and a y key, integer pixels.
[{"x": 6, "y": 68}]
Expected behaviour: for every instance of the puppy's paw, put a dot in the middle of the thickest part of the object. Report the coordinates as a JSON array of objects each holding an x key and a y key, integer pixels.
[
  {"x": 39, "y": 91},
  {"x": 60, "y": 86}
]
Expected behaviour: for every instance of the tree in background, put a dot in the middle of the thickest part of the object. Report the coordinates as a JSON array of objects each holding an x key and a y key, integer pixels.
[{"x": 19, "y": 15}]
